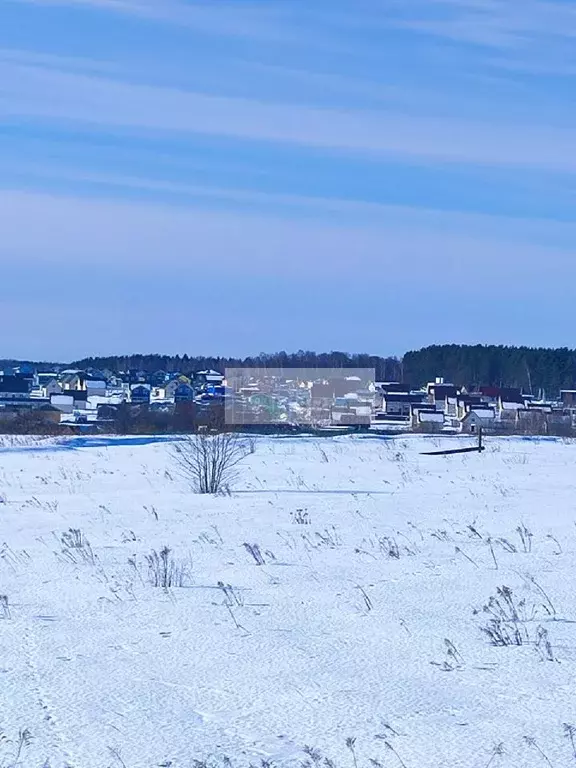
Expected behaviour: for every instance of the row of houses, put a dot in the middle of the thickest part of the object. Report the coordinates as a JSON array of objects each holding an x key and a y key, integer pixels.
[
  {"x": 74, "y": 396},
  {"x": 71, "y": 396},
  {"x": 445, "y": 405}
]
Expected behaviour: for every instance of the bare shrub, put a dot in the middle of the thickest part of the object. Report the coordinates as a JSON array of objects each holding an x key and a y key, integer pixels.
[
  {"x": 300, "y": 517},
  {"x": 570, "y": 734},
  {"x": 509, "y": 618},
  {"x": 525, "y": 537},
  {"x": 543, "y": 645},
  {"x": 367, "y": 602},
  {"x": 76, "y": 548},
  {"x": 453, "y": 659},
  {"x": 497, "y": 751},
  {"x": 256, "y": 553},
  {"x": 531, "y": 742},
  {"x": 210, "y": 460},
  {"x": 389, "y": 546},
  {"x": 15, "y": 748},
  {"x": 4, "y": 607},
  {"x": 507, "y": 545},
  {"x": 505, "y": 625},
  {"x": 165, "y": 571}
]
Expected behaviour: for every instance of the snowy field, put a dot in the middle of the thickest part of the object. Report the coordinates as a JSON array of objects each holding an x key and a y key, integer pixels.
[{"x": 359, "y": 636}]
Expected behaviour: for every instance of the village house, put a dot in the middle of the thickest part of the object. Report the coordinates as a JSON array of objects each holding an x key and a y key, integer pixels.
[
  {"x": 140, "y": 394},
  {"x": 183, "y": 393},
  {"x": 568, "y": 398},
  {"x": 478, "y": 417},
  {"x": 14, "y": 387},
  {"x": 397, "y": 405},
  {"x": 467, "y": 402},
  {"x": 439, "y": 392},
  {"x": 50, "y": 387},
  {"x": 72, "y": 379},
  {"x": 427, "y": 420},
  {"x": 208, "y": 377}
]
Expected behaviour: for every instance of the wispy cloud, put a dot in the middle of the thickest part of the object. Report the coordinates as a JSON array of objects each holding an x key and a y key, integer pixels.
[
  {"x": 124, "y": 233},
  {"x": 301, "y": 208},
  {"x": 253, "y": 20},
  {"x": 40, "y": 93},
  {"x": 498, "y": 23}
]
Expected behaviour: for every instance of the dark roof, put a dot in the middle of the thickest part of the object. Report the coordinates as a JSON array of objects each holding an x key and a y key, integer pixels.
[
  {"x": 405, "y": 397},
  {"x": 391, "y": 386},
  {"x": 442, "y": 391},
  {"x": 14, "y": 384},
  {"x": 508, "y": 394}
]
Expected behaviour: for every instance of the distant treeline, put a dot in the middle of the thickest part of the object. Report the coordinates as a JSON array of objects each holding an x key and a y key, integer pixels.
[
  {"x": 387, "y": 369},
  {"x": 7, "y": 363},
  {"x": 532, "y": 369}
]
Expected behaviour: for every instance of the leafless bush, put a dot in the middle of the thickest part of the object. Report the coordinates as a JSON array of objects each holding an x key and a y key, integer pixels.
[
  {"x": 329, "y": 537},
  {"x": 497, "y": 751},
  {"x": 390, "y": 547},
  {"x": 165, "y": 571},
  {"x": 491, "y": 547},
  {"x": 453, "y": 659},
  {"x": 505, "y": 625},
  {"x": 76, "y": 548},
  {"x": 367, "y": 602},
  {"x": 300, "y": 517},
  {"x": 256, "y": 553},
  {"x": 525, "y": 537},
  {"x": 232, "y": 596},
  {"x": 4, "y": 607},
  {"x": 570, "y": 733},
  {"x": 543, "y": 645},
  {"x": 548, "y": 605},
  {"x": 210, "y": 460},
  {"x": 16, "y": 748},
  {"x": 531, "y": 741},
  {"x": 509, "y": 618}
]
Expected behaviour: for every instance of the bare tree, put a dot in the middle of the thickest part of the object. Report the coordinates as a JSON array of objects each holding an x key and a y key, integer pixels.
[{"x": 209, "y": 460}]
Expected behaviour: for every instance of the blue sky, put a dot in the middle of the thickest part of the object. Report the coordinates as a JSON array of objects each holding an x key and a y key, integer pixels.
[{"x": 237, "y": 176}]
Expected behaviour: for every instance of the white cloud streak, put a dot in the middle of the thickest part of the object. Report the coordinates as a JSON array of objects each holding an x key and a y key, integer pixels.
[
  {"x": 221, "y": 18},
  {"x": 334, "y": 210},
  {"x": 34, "y": 92},
  {"x": 110, "y": 233},
  {"x": 493, "y": 23}
]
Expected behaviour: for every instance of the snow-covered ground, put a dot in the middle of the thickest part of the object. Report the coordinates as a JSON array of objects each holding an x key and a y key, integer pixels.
[{"x": 364, "y": 622}]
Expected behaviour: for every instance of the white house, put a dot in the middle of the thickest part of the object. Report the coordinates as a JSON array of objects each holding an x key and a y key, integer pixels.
[{"x": 478, "y": 418}]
